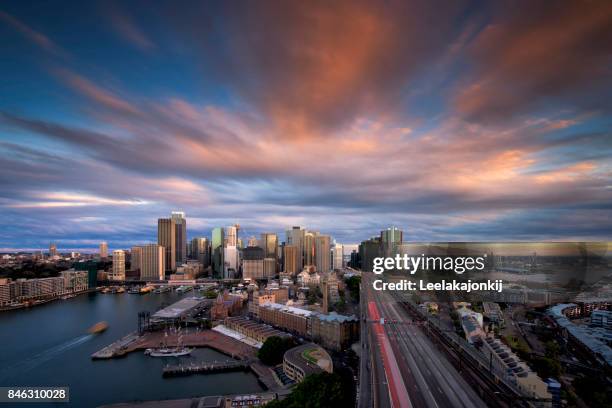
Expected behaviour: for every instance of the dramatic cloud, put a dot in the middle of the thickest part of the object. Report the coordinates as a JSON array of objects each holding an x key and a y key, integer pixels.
[{"x": 455, "y": 123}]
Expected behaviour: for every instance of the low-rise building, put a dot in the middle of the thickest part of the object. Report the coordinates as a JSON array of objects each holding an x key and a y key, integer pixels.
[
  {"x": 250, "y": 328},
  {"x": 291, "y": 319},
  {"x": 304, "y": 360},
  {"x": 334, "y": 331}
]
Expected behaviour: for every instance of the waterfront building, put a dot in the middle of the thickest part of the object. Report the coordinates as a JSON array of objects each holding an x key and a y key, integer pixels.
[
  {"x": 118, "y": 273},
  {"x": 152, "y": 262},
  {"x": 190, "y": 270},
  {"x": 136, "y": 259},
  {"x": 180, "y": 234},
  {"x": 334, "y": 331},
  {"x": 304, "y": 360},
  {"x": 75, "y": 281},
  {"x": 91, "y": 267},
  {"x": 166, "y": 238},
  {"x": 291, "y": 319},
  {"x": 338, "y": 257},
  {"x": 601, "y": 318},
  {"x": 103, "y": 250},
  {"x": 290, "y": 258},
  {"x": 323, "y": 253},
  {"x": 256, "y": 331},
  {"x": 295, "y": 237}
]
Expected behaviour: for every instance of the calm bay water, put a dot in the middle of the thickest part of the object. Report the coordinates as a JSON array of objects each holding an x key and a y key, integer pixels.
[{"x": 49, "y": 346}]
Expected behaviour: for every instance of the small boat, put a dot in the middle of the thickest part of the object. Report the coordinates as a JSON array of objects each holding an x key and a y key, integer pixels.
[
  {"x": 134, "y": 290},
  {"x": 120, "y": 290},
  {"x": 98, "y": 328},
  {"x": 162, "y": 289},
  {"x": 146, "y": 289}
]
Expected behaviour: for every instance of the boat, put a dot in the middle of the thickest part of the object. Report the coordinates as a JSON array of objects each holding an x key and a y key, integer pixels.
[
  {"x": 121, "y": 290},
  {"x": 165, "y": 351},
  {"x": 134, "y": 290},
  {"x": 98, "y": 328},
  {"x": 162, "y": 289},
  {"x": 184, "y": 288},
  {"x": 146, "y": 289}
]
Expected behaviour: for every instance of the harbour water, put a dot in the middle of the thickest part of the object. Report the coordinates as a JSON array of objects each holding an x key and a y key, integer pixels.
[{"x": 48, "y": 345}]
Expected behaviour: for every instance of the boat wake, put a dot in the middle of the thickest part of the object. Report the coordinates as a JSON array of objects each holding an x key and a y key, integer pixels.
[{"x": 36, "y": 360}]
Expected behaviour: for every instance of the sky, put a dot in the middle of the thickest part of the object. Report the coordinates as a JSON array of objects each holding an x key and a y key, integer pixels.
[{"x": 456, "y": 121}]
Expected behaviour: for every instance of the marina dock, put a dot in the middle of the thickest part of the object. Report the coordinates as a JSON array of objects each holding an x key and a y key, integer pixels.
[
  {"x": 116, "y": 349},
  {"x": 205, "y": 367}
]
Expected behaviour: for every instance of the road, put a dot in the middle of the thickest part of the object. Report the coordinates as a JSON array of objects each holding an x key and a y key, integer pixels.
[{"x": 416, "y": 373}]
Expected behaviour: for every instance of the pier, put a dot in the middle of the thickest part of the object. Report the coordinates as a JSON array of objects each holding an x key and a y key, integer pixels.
[
  {"x": 205, "y": 367},
  {"x": 116, "y": 349}
]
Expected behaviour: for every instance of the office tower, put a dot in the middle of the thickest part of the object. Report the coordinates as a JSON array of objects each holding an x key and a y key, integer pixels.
[
  {"x": 217, "y": 243},
  {"x": 389, "y": 240},
  {"x": 269, "y": 265},
  {"x": 323, "y": 253},
  {"x": 338, "y": 260},
  {"x": 309, "y": 248},
  {"x": 368, "y": 250},
  {"x": 290, "y": 258},
  {"x": 153, "y": 262},
  {"x": 200, "y": 250},
  {"x": 166, "y": 237},
  {"x": 252, "y": 242},
  {"x": 269, "y": 243},
  {"x": 252, "y": 263},
  {"x": 355, "y": 260},
  {"x": 180, "y": 234},
  {"x": 103, "y": 249},
  {"x": 118, "y": 265},
  {"x": 240, "y": 243},
  {"x": 52, "y": 250},
  {"x": 231, "y": 236},
  {"x": 136, "y": 259},
  {"x": 295, "y": 236},
  {"x": 231, "y": 262}
]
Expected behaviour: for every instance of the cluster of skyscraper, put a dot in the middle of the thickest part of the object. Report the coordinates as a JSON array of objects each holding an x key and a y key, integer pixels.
[
  {"x": 386, "y": 245},
  {"x": 224, "y": 256}
]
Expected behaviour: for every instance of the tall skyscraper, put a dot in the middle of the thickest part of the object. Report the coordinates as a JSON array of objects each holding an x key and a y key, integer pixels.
[
  {"x": 368, "y": 250},
  {"x": 152, "y": 262},
  {"x": 103, "y": 249},
  {"x": 52, "y": 250},
  {"x": 269, "y": 243},
  {"x": 295, "y": 236},
  {"x": 180, "y": 234},
  {"x": 323, "y": 253},
  {"x": 136, "y": 259},
  {"x": 166, "y": 237},
  {"x": 200, "y": 250},
  {"x": 231, "y": 236},
  {"x": 389, "y": 240},
  {"x": 338, "y": 253},
  {"x": 217, "y": 245},
  {"x": 252, "y": 263},
  {"x": 252, "y": 242},
  {"x": 118, "y": 265},
  {"x": 309, "y": 248},
  {"x": 290, "y": 258}
]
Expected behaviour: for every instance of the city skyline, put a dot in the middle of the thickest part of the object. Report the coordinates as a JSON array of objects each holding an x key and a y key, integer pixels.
[{"x": 344, "y": 118}]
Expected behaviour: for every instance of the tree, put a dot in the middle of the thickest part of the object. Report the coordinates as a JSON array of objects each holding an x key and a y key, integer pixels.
[
  {"x": 319, "y": 391},
  {"x": 352, "y": 284},
  {"x": 273, "y": 349}
]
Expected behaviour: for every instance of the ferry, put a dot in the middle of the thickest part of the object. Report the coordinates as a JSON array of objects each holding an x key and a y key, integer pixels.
[
  {"x": 146, "y": 289},
  {"x": 98, "y": 328},
  {"x": 134, "y": 290}
]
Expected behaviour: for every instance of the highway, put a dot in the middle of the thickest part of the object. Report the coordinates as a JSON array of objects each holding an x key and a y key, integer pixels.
[{"x": 415, "y": 373}]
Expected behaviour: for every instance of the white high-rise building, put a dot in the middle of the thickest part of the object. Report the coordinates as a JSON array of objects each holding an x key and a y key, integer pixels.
[
  {"x": 231, "y": 236},
  {"x": 118, "y": 273}
]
